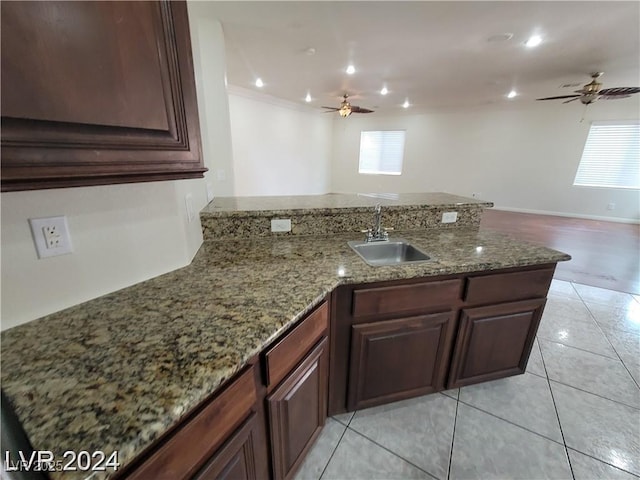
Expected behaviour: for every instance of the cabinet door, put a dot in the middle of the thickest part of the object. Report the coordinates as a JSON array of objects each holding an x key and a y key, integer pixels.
[
  {"x": 97, "y": 93},
  {"x": 297, "y": 411},
  {"x": 494, "y": 341},
  {"x": 396, "y": 359},
  {"x": 236, "y": 460}
]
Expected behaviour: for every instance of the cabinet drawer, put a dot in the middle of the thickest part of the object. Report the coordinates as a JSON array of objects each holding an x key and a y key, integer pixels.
[
  {"x": 284, "y": 355},
  {"x": 404, "y": 298},
  {"x": 184, "y": 452},
  {"x": 505, "y": 287}
]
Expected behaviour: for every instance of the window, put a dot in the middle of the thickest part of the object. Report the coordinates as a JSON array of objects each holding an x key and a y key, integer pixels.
[
  {"x": 381, "y": 152},
  {"x": 611, "y": 156}
]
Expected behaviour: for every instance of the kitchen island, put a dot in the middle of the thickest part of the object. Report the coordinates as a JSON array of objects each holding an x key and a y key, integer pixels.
[{"x": 118, "y": 372}]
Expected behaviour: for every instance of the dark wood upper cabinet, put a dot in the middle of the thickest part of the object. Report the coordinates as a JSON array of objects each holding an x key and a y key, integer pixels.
[{"x": 97, "y": 93}]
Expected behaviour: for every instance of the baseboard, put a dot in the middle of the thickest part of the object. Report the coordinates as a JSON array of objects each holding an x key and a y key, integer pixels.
[{"x": 570, "y": 215}]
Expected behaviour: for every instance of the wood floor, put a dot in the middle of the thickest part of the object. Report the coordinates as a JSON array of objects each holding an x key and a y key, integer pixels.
[{"x": 604, "y": 254}]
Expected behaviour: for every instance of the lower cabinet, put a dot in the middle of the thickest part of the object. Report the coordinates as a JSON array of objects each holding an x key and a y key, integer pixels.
[
  {"x": 225, "y": 438},
  {"x": 394, "y": 340},
  {"x": 236, "y": 460},
  {"x": 297, "y": 411},
  {"x": 389, "y": 341},
  {"x": 398, "y": 358},
  {"x": 494, "y": 341}
]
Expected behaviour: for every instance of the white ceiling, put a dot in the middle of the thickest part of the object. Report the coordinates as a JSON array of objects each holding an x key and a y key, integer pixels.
[{"x": 436, "y": 54}]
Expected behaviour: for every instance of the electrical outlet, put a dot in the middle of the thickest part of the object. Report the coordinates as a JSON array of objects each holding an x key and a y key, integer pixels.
[
  {"x": 611, "y": 206},
  {"x": 51, "y": 236},
  {"x": 281, "y": 225},
  {"x": 449, "y": 217},
  {"x": 476, "y": 194},
  {"x": 209, "y": 192}
]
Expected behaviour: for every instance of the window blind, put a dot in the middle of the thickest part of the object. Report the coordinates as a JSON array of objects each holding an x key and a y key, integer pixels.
[
  {"x": 611, "y": 156},
  {"x": 381, "y": 152}
]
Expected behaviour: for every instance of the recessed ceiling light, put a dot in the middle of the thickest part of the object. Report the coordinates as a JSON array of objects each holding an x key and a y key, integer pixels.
[
  {"x": 406, "y": 104},
  {"x": 259, "y": 82},
  {"x": 512, "y": 94},
  {"x": 384, "y": 91},
  {"x": 310, "y": 51},
  {"x": 351, "y": 70},
  {"x": 307, "y": 98},
  {"x": 533, "y": 41}
]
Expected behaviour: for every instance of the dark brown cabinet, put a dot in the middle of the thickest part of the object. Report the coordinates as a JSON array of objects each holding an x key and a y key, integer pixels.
[
  {"x": 297, "y": 411},
  {"x": 97, "y": 93},
  {"x": 494, "y": 341},
  {"x": 236, "y": 460},
  {"x": 400, "y": 339},
  {"x": 223, "y": 438},
  {"x": 394, "y": 359}
]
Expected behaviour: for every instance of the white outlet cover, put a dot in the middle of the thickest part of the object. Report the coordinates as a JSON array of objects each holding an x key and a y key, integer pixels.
[
  {"x": 39, "y": 227},
  {"x": 449, "y": 217},
  {"x": 280, "y": 224}
]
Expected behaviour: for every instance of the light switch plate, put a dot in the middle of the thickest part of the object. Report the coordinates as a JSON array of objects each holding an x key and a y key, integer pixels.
[
  {"x": 280, "y": 224},
  {"x": 449, "y": 217},
  {"x": 51, "y": 236}
]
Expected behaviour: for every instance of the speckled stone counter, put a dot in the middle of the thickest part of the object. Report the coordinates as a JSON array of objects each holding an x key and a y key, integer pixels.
[
  {"x": 116, "y": 372},
  {"x": 242, "y": 217}
]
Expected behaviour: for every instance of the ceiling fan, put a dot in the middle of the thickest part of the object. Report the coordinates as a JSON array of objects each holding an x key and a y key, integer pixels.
[
  {"x": 345, "y": 109},
  {"x": 591, "y": 92}
]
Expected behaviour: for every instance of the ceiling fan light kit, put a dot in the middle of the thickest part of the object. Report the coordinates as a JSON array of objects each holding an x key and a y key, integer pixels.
[
  {"x": 345, "y": 109},
  {"x": 591, "y": 92}
]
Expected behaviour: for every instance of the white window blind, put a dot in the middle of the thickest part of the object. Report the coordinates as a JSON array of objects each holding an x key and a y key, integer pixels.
[
  {"x": 611, "y": 156},
  {"x": 381, "y": 152}
]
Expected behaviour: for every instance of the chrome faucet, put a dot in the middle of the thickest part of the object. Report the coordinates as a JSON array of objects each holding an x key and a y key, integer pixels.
[{"x": 377, "y": 233}]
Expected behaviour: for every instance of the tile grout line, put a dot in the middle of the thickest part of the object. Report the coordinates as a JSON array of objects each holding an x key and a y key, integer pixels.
[
  {"x": 595, "y": 286},
  {"x": 391, "y": 452},
  {"x": 555, "y": 407},
  {"x": 582, "y": 349},
  {"x": 510, "y": 422},
  {"x": 595, "y": 394},
  {"x": 594, "y": 353},
  {"x": 453, "y": 435},
  {"x": 335, "y": 448},
  {"x": 602, "y": 461},
  {"x": 612, "y": 346}
]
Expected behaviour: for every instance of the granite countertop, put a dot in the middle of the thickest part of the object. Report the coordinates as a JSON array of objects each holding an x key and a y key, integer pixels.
[
  {"x": 118, "y": 371},
  {"x": 333, "y": 203}
]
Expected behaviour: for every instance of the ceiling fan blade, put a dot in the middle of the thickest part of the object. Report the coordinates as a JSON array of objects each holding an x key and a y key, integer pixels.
[
  {"x": 355, "y": 109},
  {"x": 334, "y": 109},
  {"x": 619, "y": 91},
  {"x": 613, "y": 97},
  {"x": 571, "y": 100},
  {"x": 559, "y": 97}
]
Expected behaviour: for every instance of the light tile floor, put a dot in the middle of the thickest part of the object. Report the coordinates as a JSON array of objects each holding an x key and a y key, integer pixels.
[{"x": 574, "y": 414}]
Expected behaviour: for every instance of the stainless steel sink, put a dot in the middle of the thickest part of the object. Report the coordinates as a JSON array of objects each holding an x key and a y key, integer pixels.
[{"x": 395, "y": 251}]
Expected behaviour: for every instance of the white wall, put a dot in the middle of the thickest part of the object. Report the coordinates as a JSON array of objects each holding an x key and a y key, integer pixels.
[
  {"x": 522, "y": 157},
  {"x": 278, "y": 148},
  {"x": 121, "y": 234}
]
